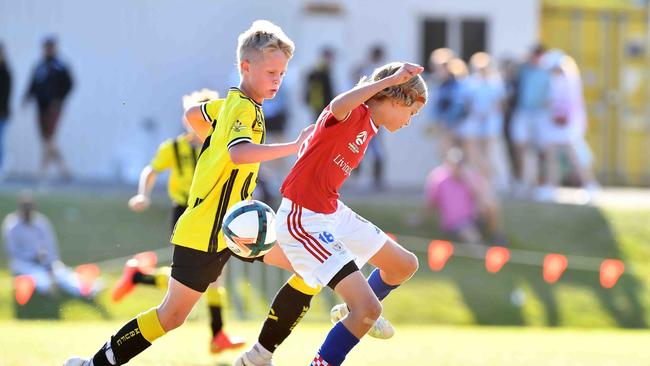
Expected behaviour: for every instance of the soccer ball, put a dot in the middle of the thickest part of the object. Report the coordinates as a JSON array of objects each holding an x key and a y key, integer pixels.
[{"x": 249, "y": 228}]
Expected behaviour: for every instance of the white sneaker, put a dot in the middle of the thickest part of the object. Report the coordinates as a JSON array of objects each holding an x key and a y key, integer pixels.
[
  {"x": 77, "y": 361},
  {"x": 245, "y": 360},
  {"x": 382, "y": 329}
]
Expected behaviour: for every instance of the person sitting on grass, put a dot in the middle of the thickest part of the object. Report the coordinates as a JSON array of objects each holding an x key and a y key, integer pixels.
[
  {"x": 463, "y": 199},
  {"x": 32, "y": 250}
]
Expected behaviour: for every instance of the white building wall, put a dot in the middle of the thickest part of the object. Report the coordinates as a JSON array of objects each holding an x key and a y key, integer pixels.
[{"x": 133, "y": 60}]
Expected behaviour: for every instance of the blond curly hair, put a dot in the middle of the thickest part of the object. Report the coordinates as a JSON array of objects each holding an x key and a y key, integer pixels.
[
  {"x": 414, "y": 90},
  {"x": 198, "y": 97}
]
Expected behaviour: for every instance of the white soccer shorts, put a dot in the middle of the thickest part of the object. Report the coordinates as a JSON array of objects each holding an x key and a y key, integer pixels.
[{"x": 319, "y": 245}]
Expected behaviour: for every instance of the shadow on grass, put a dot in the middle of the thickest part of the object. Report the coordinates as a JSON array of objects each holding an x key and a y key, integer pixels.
[
  {"x": 580, "y": 231},
  {"x": 570, "y": 230},
  {"x": 496, "y": 299},
  {"x": 46, "y": 306}
]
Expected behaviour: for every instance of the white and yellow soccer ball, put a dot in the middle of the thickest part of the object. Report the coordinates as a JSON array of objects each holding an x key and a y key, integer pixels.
[{"x": 249, "y": 228}]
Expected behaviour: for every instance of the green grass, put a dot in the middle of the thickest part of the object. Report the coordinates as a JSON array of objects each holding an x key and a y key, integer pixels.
[
  {"x": 98, "y": 226},
  {"x": 49, "y": 343}
]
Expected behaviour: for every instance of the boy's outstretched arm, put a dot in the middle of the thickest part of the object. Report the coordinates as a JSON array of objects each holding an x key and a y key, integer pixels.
[
  {"x": 195, "y": 120},
  {"x": 141, "y": 200},
  {"x": 346, "y": 102},
  {"x": 248, "y": 153}
]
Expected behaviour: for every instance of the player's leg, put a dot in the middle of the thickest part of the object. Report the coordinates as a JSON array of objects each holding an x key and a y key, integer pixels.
[
  {"x": 192, "y": 272},
  {"x": 307, "y": 240},
  {"x": 134, "y": 273},
  {"x": 291, "y": 302},
  {"x": 140, "y": 269},
  {"x": 369, "y": 244},
  {"x": 215, "y": 296},
  {"x": 289, "y": 306},
  {"x": 138, "y": 334},
  {"x": 395, "y": 265},
  {"x": 365, "y": 309}
]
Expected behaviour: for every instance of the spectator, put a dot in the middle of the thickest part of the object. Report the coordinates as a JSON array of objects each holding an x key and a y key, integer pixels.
[
  {"x": 584, "y": 156},
  {"x": 438, "y": 67},
  {"x": 31, "y": 247},
  {"x": 560, "y": 134},
  {"x": 463, "y": 199},
  {"x": 375, "y": 147},
  {"x": 5, "y": 94},
  {"x": 480, "y": 130},
  {"x": 319, "y": 91},
  {"x": 531, "y": 113},
  {"x": 450, "y": 107},
  {"x": 50, "y": 85},
  {"x": 509, "y": 70}
]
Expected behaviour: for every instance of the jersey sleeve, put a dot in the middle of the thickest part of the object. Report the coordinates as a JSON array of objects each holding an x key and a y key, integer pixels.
[
  {"x": 330, "y": 120},
  {"x": 164, "y": 158},
  {"x": 240, "y": 124},
  {"x": 210, "y": 110}
]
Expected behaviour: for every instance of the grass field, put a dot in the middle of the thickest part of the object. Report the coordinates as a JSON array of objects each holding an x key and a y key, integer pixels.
[
  {"x": 49, "y": 343},
  {"x": 95, "y": 226},
  {"x": 436, "y": 312}
]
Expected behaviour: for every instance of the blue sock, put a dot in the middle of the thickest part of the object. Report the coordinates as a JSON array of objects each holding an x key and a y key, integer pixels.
[
  {"x": 337, "y": 345},
  {"x": 378, "y": 286}
]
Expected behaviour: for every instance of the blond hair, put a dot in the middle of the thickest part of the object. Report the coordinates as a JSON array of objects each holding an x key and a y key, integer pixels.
[
  {"x": 480, "y": 60},
  {"x": 198, "y": 97},
  {"x": 408, "y": 93},
  {"x": 263, "y": 36},
  {"x": 457, "y": 67},
  {"x": 441, "y": 56}
]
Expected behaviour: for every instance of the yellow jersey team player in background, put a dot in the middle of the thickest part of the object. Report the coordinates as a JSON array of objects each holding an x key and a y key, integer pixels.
[
  {"x": 225, "y": 174},
  {"x": 178, "y": 155}
]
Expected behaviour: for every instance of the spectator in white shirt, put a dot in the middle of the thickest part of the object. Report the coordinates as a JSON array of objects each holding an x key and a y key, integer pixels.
[{"x": 31, "y": 247}]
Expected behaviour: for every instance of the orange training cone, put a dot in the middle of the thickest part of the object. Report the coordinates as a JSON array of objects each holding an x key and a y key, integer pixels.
[
  {"x": 87, "y": 274},
  {"x": 610, "y": 271},
  {"x": 439, "y": 253},
  {"x": 554, "y": 267},
  {"x": 24, "y": 286},
  {"x": 496, "y": 258},
  {"x": 146, "y": 261}
]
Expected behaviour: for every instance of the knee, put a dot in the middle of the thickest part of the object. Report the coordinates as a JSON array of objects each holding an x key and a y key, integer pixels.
[
  {"x": 367, "y": 312},
  {"x": 371, "y": 310},
  {"x": 374, "y": 310},
  {"x": 409, "y": 265},
  {"x": 170, "y": 319}
]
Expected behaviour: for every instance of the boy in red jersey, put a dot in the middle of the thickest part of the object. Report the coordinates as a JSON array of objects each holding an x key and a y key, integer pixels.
[{"x": 325, "y": 241}]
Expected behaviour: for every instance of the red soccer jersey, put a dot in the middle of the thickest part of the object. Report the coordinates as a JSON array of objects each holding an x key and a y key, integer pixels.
[{"x": 327, "y": 158}]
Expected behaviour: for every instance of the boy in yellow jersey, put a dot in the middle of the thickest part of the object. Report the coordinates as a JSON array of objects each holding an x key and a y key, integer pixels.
[
  {"x": 179, "y": 156},
  {"x": 225, "y": 174}
]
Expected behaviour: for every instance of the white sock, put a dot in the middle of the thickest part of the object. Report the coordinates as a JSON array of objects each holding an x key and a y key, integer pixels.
[
  {"x": 109, "y": 354},
  {"x": 260, "y": 354}
]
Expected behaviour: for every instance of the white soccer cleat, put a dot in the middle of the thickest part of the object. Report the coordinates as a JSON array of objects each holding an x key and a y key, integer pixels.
[
  {"x": 382, "y": 329},
  {"x": 77, "y": 361},
  {"x": 245, "y": 360}
]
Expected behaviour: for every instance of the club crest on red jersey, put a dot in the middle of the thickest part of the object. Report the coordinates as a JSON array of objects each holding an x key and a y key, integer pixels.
[{"x": 361, "y": 138}]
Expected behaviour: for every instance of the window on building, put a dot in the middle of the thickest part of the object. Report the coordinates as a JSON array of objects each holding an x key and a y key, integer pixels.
[
  {"x": 474, "y": 35},
  {"x": 435, "y": 36}
]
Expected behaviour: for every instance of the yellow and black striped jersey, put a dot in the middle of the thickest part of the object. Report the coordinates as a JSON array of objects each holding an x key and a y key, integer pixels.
[
  {"x": 218, "y": 182},
  {"x": 179, "y": 157}
]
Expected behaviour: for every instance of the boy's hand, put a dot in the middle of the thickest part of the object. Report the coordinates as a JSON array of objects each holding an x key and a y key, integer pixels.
[
  {"x": 304, "y": 134},
  {"x": 139, "y": 203},
  {"x": 405, "y": 73}
]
